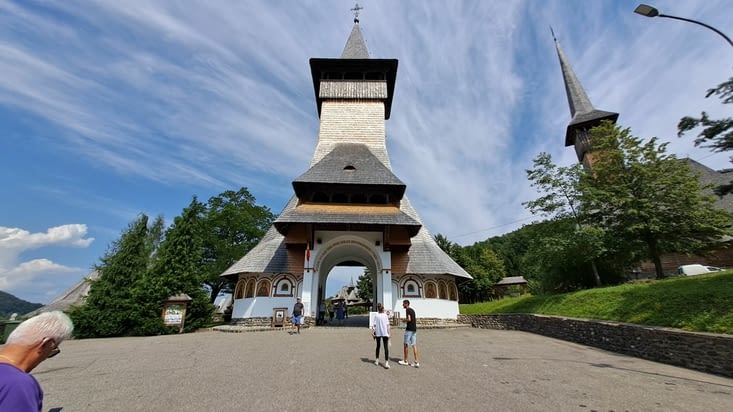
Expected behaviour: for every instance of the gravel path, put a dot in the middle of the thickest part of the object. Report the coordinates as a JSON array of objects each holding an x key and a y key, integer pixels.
[{"x": 333, "y": 369}]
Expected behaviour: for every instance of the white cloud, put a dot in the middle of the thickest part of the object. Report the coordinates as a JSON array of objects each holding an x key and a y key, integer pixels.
[{"x": 28, "y": 278}]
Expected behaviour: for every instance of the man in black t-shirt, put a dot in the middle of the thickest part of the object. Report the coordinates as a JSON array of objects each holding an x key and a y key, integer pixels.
[
  {"x": 298, "y": 314},
  {"x": 410, "y": 335}
]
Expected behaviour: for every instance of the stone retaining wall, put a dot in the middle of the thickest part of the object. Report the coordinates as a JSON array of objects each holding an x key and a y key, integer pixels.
[
  {"x": 706, "y": 352},
  {"x": 266, "y": 321}
]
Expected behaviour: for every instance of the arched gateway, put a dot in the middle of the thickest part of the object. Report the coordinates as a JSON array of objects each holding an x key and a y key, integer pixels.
[{"x": 348, "y": 209}]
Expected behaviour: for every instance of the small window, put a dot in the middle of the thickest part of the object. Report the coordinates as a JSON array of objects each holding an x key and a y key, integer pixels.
[
  {"x": 284, "y": 287},
  {"x": 339, "y": 198},
  {"x": 358, "y": 198},
  {"x": 378, "y": 199},
  {"x": 320, "y": 197},
  {"x": 411, "y": 288},
  {"x": 349, "y": 168},
  {"x": 375, "y": 76}
]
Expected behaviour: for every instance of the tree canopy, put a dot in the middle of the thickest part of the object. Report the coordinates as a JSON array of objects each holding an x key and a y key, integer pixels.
[
  {"x": 112, "y": 307},
  {"x": 365, "y": 286},
  {"x": 561, "y": 199},
  {"x": 233, "y": 224},
  {"x": 641, "y": 195},
  {"x": 715, "y": 134},
  {"x": 146, "y": 266}
]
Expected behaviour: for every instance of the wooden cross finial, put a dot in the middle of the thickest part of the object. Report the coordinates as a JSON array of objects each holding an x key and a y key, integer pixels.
[{"x": 356, "y": 12}]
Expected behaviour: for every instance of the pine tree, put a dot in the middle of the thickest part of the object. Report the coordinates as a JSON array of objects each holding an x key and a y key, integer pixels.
[
  {"x": 112, "y": 308},
  {"x": 178, "y": 269}
]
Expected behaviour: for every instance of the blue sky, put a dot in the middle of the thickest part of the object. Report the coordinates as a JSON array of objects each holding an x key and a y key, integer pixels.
[{"x": 109, "y": 109}]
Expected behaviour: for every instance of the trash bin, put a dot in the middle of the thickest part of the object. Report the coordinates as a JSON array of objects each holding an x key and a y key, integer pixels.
[{"x": 8, "y": 327}]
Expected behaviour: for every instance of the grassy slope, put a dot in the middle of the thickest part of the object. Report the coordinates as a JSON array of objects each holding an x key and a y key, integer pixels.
[{"x": 702, "y": 303}]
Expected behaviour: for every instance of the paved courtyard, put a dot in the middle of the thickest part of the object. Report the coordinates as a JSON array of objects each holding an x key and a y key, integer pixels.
[{"x": 332, "y": 369}]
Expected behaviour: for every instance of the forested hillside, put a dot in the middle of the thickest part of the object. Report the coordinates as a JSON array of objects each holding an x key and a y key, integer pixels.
[{"x": 9, "y": 304}]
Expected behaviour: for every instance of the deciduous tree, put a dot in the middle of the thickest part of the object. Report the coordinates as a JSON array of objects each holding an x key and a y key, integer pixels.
[
  {"x": 233, "y": 224},
  {"x": 640, "y": 193},
  {"x": 560, "y": 200}
]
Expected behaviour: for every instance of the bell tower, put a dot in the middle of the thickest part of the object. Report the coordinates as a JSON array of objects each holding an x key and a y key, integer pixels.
[
  {"x": 583, "y": 115},
  {"x": 348, "y": 208}
]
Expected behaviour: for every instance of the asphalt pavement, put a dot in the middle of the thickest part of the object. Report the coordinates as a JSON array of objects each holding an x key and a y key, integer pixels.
[{"x": 332, "y": 368}]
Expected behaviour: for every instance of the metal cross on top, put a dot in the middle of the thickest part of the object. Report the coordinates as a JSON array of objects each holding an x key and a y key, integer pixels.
[{"x": 356, "y": 12}]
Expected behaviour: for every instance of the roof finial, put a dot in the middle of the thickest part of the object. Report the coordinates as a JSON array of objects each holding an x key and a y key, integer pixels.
[{"x": 356, "y": 12}]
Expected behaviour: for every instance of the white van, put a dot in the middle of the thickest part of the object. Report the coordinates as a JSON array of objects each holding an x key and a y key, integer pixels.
[{"x": 696, "y": 269}]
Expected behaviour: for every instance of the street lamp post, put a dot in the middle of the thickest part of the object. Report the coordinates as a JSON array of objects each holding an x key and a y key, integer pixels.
[{"x": 649, "y": 11}]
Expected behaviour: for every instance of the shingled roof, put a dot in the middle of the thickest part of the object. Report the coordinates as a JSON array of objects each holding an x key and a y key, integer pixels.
[
  {"x": 269, "y": 256},
  {"x": 350, "y": 164},
  {"x": 584, "y": 115},
  {"x": 355, "y": 46},
  {"x": 74, "y": 296},
  {"x": 708, "y": 176}
]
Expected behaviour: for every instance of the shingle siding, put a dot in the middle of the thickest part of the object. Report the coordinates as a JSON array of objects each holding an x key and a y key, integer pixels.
[{"x": 351, "y": 121}]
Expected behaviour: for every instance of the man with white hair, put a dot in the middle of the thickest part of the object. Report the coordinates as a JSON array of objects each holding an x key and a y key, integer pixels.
[{"x": 31, "y": 343}]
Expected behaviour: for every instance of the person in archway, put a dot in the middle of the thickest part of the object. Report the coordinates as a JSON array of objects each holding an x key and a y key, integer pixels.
[
  {"x": 410, "y": 335},
  {"x": 321, "y": 313},
  {"x": 298, "y": 314},
  {"x": 380, "y": 332},
  {"x": 31, "y": 343},
  {"x": 340, "y": 312}
]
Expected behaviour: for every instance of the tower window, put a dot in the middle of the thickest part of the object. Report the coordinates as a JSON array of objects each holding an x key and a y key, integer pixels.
[
  {"x": 358, "y": 198},
  {"x": 378, "y": 199},
  {"x": 353, "y": 76},
  {"x": 320, "y": 197},
  {"x": 375, "y": 76}
]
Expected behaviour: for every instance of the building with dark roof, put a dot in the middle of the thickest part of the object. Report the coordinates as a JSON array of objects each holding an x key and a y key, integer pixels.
[{"x": 348, "y": 208}]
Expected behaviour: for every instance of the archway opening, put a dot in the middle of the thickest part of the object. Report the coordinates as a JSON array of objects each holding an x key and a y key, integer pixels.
[
  {"x": 341, "y": 261},
  {"x": 343, "y": 297}
]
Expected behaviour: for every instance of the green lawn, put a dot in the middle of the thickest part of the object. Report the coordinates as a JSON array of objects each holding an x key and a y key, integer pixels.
[{"x": 702, "y": 303}]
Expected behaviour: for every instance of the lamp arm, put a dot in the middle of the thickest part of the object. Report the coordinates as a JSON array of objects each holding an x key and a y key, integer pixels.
[{"x": 701, "y": 24}]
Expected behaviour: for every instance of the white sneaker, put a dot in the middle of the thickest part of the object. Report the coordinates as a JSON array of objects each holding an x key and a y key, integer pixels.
[
  {"x": 416, "y": 364},
  {"x": 403, "y": 363},
  {"x": 386, "y": 365},
  {"x": 376, "y": 362}
]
